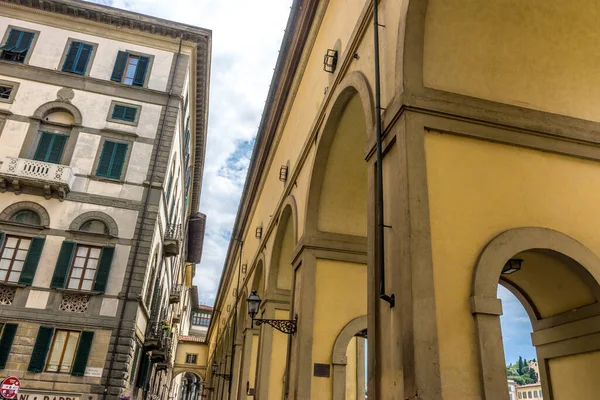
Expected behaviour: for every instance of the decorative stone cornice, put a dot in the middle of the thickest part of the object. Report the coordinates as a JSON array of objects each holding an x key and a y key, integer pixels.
[{"x": 116, "y": 18}]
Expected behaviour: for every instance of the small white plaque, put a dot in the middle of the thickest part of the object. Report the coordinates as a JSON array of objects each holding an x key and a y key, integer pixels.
[{"x": 93, "y": 372}]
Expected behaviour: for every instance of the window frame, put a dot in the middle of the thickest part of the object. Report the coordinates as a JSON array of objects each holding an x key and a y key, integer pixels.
[
  {"x": 90, "y": 62},
  {"x": 12, "y": 260},
  {"x": 189, "y": 356},
  {"x": 36, "y": 34},
  {"x": 129, "y": 142},
  {"x": 13, "y": 93},
  {"x": 81, "y": 278},
  {"x": 51, "y": 350},
  {"x": 114, "y": 103},
  {"x": 148, "y": 70}
]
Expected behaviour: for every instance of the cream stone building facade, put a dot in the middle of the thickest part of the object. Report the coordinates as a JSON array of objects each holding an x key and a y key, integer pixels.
[
  {"x": 481, "y": 118},
  {"x": 103, "y": 119}
]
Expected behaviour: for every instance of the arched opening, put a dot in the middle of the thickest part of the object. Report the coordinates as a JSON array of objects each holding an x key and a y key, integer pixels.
[
  {"x": 555, "y": 279},
  {"x": 49, "y": 139},
  {"x": 336, "y": 228},
  {"x": 187, "y": 386},
  {"x": 349, "y": 361},
  {"x": 28, "y": 217},
  {"x": 94, "y": 226}
]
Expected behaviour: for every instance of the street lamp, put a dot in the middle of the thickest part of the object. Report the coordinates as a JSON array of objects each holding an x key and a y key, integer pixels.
[
  {"x": 287, "y": 326},
  {"x": 513, "y": 265},
  {"x": 215, "y": 366}
]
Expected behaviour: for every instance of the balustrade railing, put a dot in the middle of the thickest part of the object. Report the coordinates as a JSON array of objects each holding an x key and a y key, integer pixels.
[{"x": 32, "y": 169}]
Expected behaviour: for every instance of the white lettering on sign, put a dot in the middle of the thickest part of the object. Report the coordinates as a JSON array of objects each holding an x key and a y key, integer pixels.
[
  {"x": 35, "y": 395},
  {"x": 93, "y": 372}
]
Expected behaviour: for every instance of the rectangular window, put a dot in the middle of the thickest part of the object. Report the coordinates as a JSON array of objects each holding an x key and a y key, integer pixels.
[
  {"x": 77, "y": 58},
  {"x": 12, "y": 258},
  {"x": 191, "y": 358},
  {"x": 541, "y": 394},
  {"x": 529, "y": 394},
  {"x": 130, "y": 69},
  {"x": 17, "y": 45},
  {"x": 200, "y": 318},
  {"x": 124, "y": 113},
  {"x": 62, "y": 352},
  {"x": 50, "y": 147},
  {"x": 84, "y": 267},
  {"x": 520, "y": 396},
  {"x": 112, "y": 160},
  {"x": 535, "y": 394},
  {"x": 5, "y": 92}
]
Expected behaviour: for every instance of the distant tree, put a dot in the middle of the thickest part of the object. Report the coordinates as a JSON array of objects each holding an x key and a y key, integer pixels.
[
  {"x": 520, "y": 366},
  {"x": 533, "y": 375}
]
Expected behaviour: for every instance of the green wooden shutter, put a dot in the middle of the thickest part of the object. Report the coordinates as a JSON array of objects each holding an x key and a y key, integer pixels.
[
  {"x": 65, "y": 257},
  {"x": 135, "y": 360},
  {"x": 71, "y": 57},
  {"x": 56, "y": 149},
  {"x": 83, "y": 352},
  {"x": 11, "y": 42},
  {"x": 83, "y": 57},
  {"x": 143, "y": 375},
  {"x": 8, "y": 335},
  {"x": 104, "y": 265},
  {"x": 43, "y": 147},
  {"x": 120, "y": 64},
  {"x": 140, "y": 71},
  {"x": 129, "y": 114},
  {"x": 105, "y": 158},
  {"x": 24, "y": 42},
  {"x": 32, "y": 260},
  {"x": 118, "y": 160},
  {"x": 40, "y": 349},
  {"x": 118, "y": 111}
]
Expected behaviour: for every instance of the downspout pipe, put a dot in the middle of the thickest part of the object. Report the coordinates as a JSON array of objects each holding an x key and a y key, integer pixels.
[
  {"x": 141, "y": 226},
  {"x": 380, "y": 224}
]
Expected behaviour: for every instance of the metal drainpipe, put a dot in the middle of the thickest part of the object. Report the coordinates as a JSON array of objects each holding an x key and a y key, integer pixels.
[
  {"x": 141, "y": 226},
  {"x": 380, "y": 224},
  {"x": 235, "y": 316}
]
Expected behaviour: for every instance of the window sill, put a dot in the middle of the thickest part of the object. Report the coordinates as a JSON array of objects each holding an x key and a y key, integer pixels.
[
  {"x": 92, "y": 234},
  {"x": 21, "y": 225},
  {"x": 103, "y": 179},
  {"x": 76, "y": 291},
  {"x": 13, "y": 284}
]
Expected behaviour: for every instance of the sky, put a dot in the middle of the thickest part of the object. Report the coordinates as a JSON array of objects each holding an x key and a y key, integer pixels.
[
  {"x": 246, "y": 39},
  {"x": 516, "y": 328}
]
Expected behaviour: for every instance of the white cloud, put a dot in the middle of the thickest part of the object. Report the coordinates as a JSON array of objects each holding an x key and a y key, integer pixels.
[{"x": 246, "y": 39}]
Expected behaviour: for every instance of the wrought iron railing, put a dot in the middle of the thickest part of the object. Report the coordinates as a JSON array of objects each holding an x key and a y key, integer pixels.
[{"x": 173, "y": 232}]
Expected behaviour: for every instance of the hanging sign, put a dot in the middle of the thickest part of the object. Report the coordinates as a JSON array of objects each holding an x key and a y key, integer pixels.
[{"x": 10, "y": 387}]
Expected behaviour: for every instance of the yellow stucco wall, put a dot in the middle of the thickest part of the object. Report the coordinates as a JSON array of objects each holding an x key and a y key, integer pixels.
[
  {"x": 336, "y": 305},
  {"x": 539, "y": 54},
  {"x": 184, "y": 348},
  {"x": 278, "y": 359},
  {"x": 351, "y": 371},
  {"x": 477, "y": 190},
  {"x": 284, "y": 275},
  {"x": 343, "y": 205},
  {"x": 575, "y": 377},
  {"x": 253, "y": 359}
]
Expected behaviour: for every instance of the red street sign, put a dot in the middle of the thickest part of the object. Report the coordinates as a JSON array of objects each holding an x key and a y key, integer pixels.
[{"x": 10, "y": 387}]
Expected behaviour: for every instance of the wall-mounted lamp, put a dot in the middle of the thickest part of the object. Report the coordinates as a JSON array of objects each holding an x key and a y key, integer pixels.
[
  {"x": 513, "y": 265},
  {"x": 283, "y": 173},
  {"x": 287, "y": 326},
  {"x": 258, "y": 232},
  {"x": 215, "y": 366},
  {"x": 330, "y": 61}
]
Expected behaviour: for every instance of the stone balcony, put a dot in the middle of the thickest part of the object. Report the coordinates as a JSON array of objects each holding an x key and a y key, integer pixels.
[
  {"x": 172, "y": 240},
  {"x": 54, "y": 179}
]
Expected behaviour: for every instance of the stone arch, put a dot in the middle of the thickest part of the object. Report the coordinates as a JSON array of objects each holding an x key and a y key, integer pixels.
[
  {"x": 338, "y": 357},
  {"x": 355, "y": 84},
  {"x": 487, "y": 308},
  {"x": 200, "y": 372},
  {"x": 258, "y": 281},
  {"x": 53, "y": 106},
  {"x": 409, "y": 49},
  {"x": 26, "y": 205},
  {"x": 113, "y": 228},
  {"x": 288, "y": 215}
]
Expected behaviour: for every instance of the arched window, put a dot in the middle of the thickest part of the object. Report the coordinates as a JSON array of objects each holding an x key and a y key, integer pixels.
[
  {"x": 94, "y": 226},
  {"x": 26, "y": 217}
]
